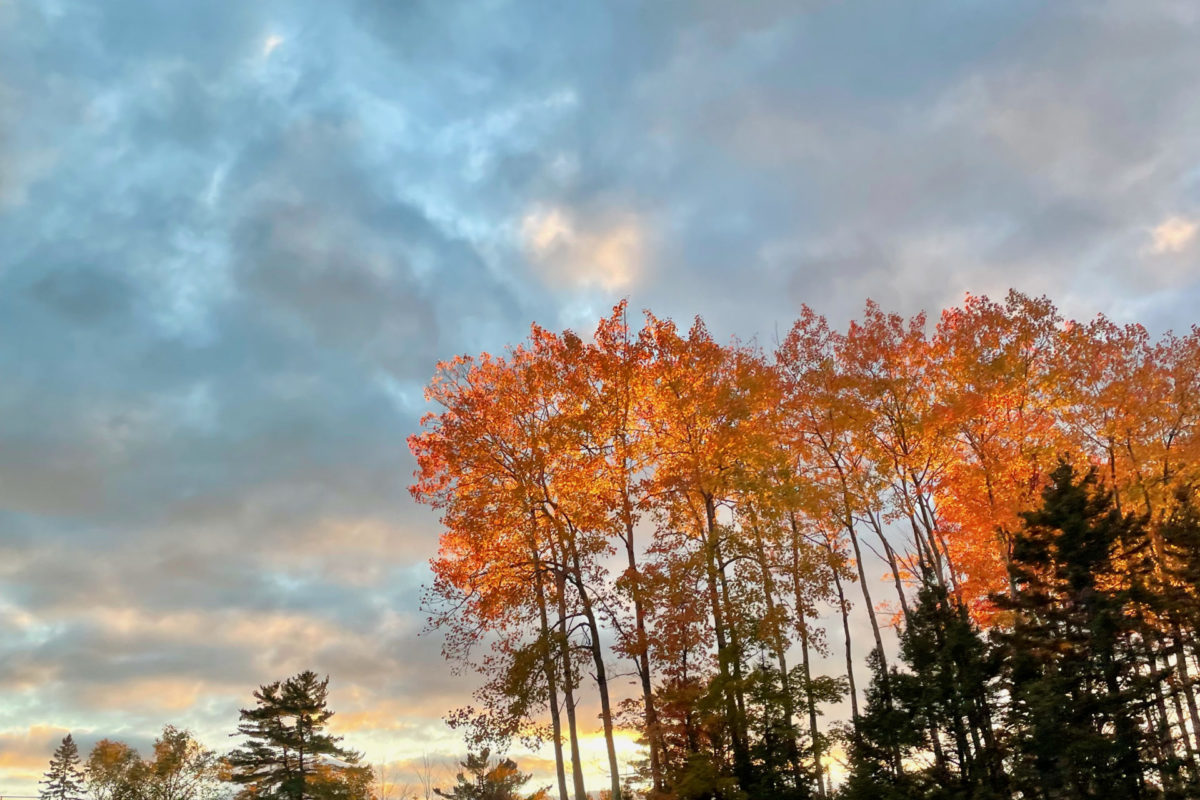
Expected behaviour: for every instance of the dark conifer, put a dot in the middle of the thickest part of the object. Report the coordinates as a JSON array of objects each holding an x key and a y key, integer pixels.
[
  {"x": 1075, "y": 674},
  {"x": 881, "y": 731},
  {"x": 483, "y": 779},
  {"x": 64, "y": 779},
  {"x": 940, "y": 718},
  {"x": 288, "y": 755}
]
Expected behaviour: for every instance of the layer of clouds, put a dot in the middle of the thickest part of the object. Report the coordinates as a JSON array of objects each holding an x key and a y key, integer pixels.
[{"x": 236, "y": 237}]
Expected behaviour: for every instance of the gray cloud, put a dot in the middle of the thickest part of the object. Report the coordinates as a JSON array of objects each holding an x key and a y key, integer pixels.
[{"x": 235, "y": 239}]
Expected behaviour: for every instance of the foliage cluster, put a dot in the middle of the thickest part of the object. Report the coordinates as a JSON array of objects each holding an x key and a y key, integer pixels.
[
  {"x": 287, "y": 755},
  {"x": 695, "y": 511}
]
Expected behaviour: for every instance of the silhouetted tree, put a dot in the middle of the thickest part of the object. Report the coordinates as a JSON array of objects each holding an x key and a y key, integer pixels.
[
  {"x": 64, "y": 779},
  {"x": 1075, "y": 676},
  {"x": 483, "y": 779},
  {"x": 288, "y": 755}
]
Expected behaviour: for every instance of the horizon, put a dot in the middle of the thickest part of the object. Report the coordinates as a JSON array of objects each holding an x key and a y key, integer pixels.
[{"x": 237, "y": 239}]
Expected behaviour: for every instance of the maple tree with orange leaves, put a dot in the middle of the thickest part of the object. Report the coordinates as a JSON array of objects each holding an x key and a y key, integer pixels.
[{"x": 657, "y": 504}]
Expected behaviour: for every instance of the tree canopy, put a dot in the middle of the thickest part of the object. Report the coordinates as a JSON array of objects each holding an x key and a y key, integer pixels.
[{"x": 701, "y": 511}]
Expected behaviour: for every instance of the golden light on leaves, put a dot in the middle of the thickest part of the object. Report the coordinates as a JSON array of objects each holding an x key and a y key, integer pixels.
[{"x": 691, "y": 496}]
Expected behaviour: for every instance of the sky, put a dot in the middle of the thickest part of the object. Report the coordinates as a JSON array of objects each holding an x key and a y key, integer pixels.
[{"x": 236, "y": 237}]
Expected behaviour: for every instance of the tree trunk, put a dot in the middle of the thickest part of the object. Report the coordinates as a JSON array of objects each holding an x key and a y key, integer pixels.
[
  {"x": 802, "y": 629},
  {"x": 564, "y": 650},
  {"x": 551, "y": 678},
  {"x": 779, "y": 643},
  {"x": 725, "y": 654},
  {"x": 601, "y": 674},
  {"x": 642, "y": 657},
  {"x": 844, "y": 609},
  {"x": 890, "y": 554}
]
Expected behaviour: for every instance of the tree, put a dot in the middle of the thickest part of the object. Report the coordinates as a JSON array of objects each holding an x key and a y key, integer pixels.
[
  {"x": 1075, "y": 674},
  {"x": 288, "y": 756},
  {"x": 182, "y": 769},
  {"x": 113, "y": 771},
  {"x": 994, "y": 367},
  {"x": 881, "y": 731},
  {"x": 484, "y": 779},
  {"x": 64, "y": 780},
  {"x": 694, "y": 506},
  {"x": 941, "y": 718}
]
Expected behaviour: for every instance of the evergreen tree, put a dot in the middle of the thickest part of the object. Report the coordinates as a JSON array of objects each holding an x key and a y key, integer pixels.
[
  {"x": 1075, "y": 673},
  {"x": 483, "y": 779},
  {"x": 940, "y": 716},
  {"x": 877, "y": 735},
  {"x": 288, "y": 755},
  {"x": 949, "y": 693},
  {"x": 64, "y": 779}
]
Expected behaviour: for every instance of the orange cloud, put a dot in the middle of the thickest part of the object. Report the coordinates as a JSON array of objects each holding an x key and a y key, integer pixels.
[
  {"x": 26, "y": 753},
  {"x": 148, "y": 694},
  {"x": 1173, "y": 235},
  {"x": 607, "y": 257}
]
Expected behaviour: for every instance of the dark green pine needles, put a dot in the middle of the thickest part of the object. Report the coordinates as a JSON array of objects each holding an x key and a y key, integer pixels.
[
  {"x": 288, "y": 755},
  {"x": 64, "y": 779}
]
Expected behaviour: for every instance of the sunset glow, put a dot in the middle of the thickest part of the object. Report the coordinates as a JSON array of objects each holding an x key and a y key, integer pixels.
[{"x": 654, "y": 361}]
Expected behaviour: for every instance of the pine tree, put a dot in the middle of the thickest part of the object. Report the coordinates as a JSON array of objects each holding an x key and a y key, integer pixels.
[
  {"x": 289, "y": 756},
  {"x": 1075, "y": 676},
  {"x": 952, "y": 689},
  {"x": 881, "y": 731},
  {"x": 483, "y": 779},
  {"x": 64, "y": 779}
]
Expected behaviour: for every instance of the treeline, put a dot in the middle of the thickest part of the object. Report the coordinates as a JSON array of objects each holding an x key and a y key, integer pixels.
[
  {"x": 286, "y": 755},
  {"x": 658, "y": 502}
]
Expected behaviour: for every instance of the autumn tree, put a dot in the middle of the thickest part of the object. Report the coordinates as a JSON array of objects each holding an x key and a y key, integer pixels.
[
  {"x": 504, "y": 564},
  {"x": 114, "y": 771},
  {"x": 182, "y": 768},
  {"x": 705, "y": 427},
  {"x": 699, "y": 511},
  {"x": 994, "y": 369}
]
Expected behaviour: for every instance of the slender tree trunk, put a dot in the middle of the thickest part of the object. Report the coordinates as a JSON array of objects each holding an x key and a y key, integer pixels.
[
  {"x": 551, "y": 679},
  {"x": 564, "y": 650},
  {"x": 955, "y": 718},
  {"x": 642, "y": 657},
  {"x": 1189, "y": 694},
  {"x": 890, "y": 554},
  {"x": 813, "y": 732},
  {"x": 627, "y": 423},
  {"x": 866, "y": 591},
  {"x": 802, "y": 628},
  {"x": 597, "y": 651},
  {"x": 1166, "y": 747},
  {"x": 936, "y": 541},
  {"x": 844, "y": 609},
  {"x": 726, "y": 654},
  {"x": 779, "y": 644}
]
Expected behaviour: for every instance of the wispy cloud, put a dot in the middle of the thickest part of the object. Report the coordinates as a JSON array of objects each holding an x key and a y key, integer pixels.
[{"x": 238, "y": 236}]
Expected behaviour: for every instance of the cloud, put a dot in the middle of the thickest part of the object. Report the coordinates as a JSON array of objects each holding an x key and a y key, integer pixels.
[
  {"x": 238, "y": 237},
  {"x": 270, "y": 43},
  {"x": 607, "y": 257},
  {"x": 1173, "y": 235},
  {"x": 25, "y": 753}
]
